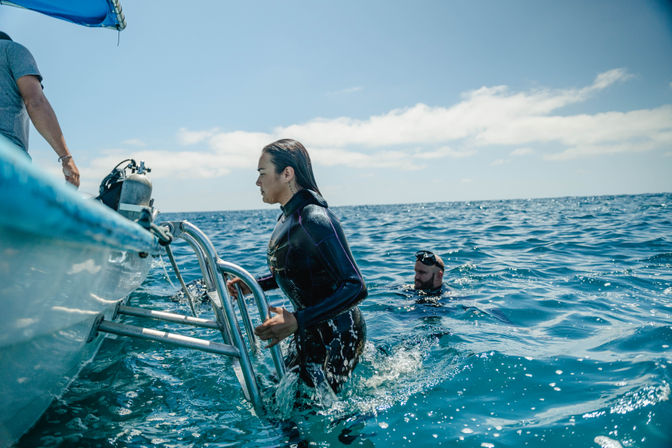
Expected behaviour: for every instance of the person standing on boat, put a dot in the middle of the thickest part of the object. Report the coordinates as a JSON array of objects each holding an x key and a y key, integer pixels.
[
  {"x": 310, "y": 260},
  {"x": 21, "y": 98}
]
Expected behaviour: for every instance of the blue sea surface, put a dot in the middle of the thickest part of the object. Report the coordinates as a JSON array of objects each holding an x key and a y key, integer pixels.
[{"x": 554, "y": 330}]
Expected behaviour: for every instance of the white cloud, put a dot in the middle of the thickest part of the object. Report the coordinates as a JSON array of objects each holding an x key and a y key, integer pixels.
[
  {"x": 186, "y": 137},
  {"x": 381, "y": 159},
  {"x": 412, "y": 137},
  {"x": 245, "y": 144},
  {"x": 486, "y": 116},
  {"x": 598, "y": 150},
  {"x": 582, "y": 129},
  {"x": 445, "y": 151},
  {"x": 522, "y": 152},
  {"x": 606, "y": 79},
  {"x": 166, "y": 164}
]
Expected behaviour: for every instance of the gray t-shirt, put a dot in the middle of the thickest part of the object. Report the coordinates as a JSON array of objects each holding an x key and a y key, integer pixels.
[{"x": 15, "y": 62}]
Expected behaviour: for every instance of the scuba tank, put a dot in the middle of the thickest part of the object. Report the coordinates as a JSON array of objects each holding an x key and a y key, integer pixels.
[
  {"x": 128, "y": 190},
  {"x": 136, "y": 193}
]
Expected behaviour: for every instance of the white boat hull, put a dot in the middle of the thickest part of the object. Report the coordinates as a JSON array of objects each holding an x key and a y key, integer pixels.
[{"x": 63, "y": 261}]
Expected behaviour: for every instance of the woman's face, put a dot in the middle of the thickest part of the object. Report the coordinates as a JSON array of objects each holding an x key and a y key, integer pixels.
[{"x": 274, "y": 188}]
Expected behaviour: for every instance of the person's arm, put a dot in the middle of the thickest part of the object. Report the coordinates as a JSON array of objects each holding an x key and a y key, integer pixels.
[
  {"x": 333, "y": 251},
  {"x": 45, "y": 121},
  {"x": 327, "y": 239},
  {"x": 266, "y": 282}
]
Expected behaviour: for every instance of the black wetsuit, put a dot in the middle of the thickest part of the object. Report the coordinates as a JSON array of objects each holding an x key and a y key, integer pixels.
[{"x": 311, "y": 262}]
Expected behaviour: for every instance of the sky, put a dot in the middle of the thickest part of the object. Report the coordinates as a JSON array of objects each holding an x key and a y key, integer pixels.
[{"x": 396, "y": 101}]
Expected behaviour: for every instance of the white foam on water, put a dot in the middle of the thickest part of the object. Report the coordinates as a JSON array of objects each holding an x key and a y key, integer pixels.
[
  {"x": 647, "y": 396},
  {"x": 606, "y": 442}
]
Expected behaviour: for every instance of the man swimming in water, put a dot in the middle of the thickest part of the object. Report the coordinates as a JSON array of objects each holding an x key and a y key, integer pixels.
[{"x": 429, "y": 269}]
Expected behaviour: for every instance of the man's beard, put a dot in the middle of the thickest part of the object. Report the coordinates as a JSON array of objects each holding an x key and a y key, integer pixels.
[{"x": 429, "y": 284}]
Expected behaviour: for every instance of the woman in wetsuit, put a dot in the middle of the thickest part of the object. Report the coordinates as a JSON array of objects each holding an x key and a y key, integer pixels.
[{"x": 309, "y": 259}]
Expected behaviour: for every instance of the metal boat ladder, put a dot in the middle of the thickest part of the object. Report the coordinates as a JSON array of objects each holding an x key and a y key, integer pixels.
[{"x": 215, "y": 272}]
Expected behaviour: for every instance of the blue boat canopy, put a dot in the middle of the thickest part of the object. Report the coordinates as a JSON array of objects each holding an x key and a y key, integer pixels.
[{"x": 95, "y": 13}]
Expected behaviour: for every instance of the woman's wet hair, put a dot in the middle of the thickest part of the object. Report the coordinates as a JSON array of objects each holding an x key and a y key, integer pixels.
[{"x": 287, "y": 152}]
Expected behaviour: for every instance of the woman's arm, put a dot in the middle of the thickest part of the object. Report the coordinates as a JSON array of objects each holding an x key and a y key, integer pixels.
[
  {"x": 332, "y": 249},
  {"x": 266, "y": 283}
]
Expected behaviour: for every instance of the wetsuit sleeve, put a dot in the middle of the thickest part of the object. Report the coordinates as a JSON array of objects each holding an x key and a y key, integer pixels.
[
  {"x": 267, "y": 282},
  {"x": 331, "y": 248}
]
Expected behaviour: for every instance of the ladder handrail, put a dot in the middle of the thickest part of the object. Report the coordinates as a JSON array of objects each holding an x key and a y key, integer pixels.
[
  {"x": 167, "y": 316},
  {"x": 245, "y": 316},
  {"x": 226, "y": 267},
  {"x": 180, "y": 340},
  {"x": 202, "y": 257},
  {"x": 215, "y": 271},
  {"x": 226, "y": 303},
  {"x": 224, "y": 322}
]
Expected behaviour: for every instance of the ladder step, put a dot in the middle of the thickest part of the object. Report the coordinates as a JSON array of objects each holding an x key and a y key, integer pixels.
[
  {"x": 170, "y": 317},
  {"x": 170, "y": 338}
]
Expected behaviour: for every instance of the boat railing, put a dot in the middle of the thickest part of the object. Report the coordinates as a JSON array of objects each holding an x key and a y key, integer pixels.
[{"x": 215, "y": 272}]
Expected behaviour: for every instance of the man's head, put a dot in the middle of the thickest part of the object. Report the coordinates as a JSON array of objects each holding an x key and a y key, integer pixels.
[
  {"x": 428, "y": 270},
  {"x": 4, "y": 36}
]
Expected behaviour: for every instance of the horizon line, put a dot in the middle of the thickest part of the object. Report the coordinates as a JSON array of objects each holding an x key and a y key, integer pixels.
[{"x": 438, "y": 202}]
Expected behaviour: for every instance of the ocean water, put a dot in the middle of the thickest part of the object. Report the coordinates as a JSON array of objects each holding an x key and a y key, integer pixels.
[{"x": 555, "y": 331}]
